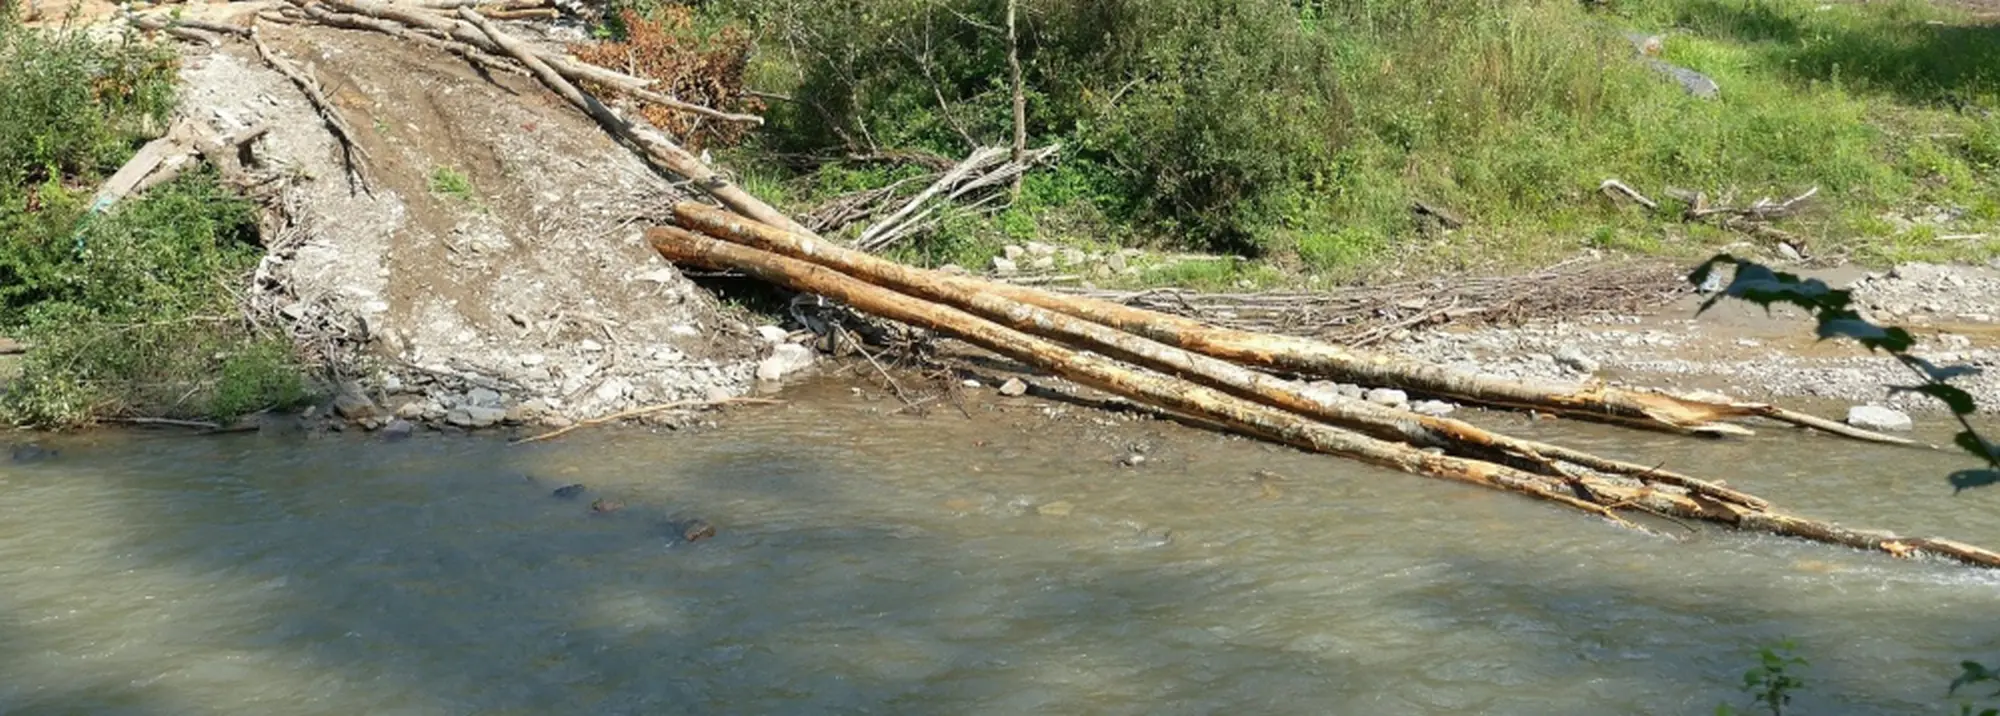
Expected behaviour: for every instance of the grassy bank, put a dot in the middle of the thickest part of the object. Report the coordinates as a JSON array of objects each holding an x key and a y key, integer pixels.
[
  {"x": 1300, "y": 133},
  {"x": 129, "y": 311}
]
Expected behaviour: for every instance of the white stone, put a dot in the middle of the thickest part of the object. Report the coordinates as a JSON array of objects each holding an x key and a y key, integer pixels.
[
  {"x": 1574, "y": 359},
  {"x": 612, "y": 390},
  {"x": 1388, "y": 396},
  {"x": 1876, "y": 417},
  {"x": 785, "y": 359},
  {"x": 1037, "y": 248},
  {"x": 1012, "y": 252},
  {"x": 1005, "y": 267},
  {"x": 1014, "y": 388},
  {"x": 772, "y": 334},
  {"x": 590, "y": 346},
  {"x": 1433, "y": 408}
]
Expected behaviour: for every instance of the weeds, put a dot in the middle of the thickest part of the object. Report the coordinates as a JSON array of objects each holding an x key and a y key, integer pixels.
[
  {"x": 130, "y": 311},
  {"x": 1306, "y": 130},
  {"x": 452, "y": 183}
]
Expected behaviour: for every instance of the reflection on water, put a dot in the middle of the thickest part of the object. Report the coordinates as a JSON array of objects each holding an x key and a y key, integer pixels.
[{"x": 938, "y": 565}]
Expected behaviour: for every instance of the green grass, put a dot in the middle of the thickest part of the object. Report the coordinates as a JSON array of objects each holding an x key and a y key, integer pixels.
[
  {"x": 130, "y": 311},
  {"x": 454, "y": 184},
  {"x": 1302, "y": 136}
]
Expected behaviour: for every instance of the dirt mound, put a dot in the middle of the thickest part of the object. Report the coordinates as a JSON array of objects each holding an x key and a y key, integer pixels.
[{"x": 493, "y": 255}]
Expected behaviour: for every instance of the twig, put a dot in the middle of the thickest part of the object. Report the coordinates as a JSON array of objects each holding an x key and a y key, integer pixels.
[
  {"x": 202, "y": 424},
  {"x": 648, "y": 410},
  {"x": 1613, "y": 185}
]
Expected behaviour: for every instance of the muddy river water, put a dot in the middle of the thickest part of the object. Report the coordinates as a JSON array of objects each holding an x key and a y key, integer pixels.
[{"x": 868, "y": 563}]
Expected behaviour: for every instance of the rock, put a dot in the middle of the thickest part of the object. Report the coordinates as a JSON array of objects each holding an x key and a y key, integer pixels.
[
  {"x": 1876, "y": 417},
  {"x": 1074, "y": 257},
  {"x": 533, "y": 359},
  {"x": 953, "y": 270},
  {"x": 1014, "y": 388},
  {"x": 30, "y": 452},
  {"x": 352, "y": 404},
  {"x": 1350, "y": 390},
  {"x": 772, "y": 334},
  {"x": 556, "y": 421},
  {"x": 1388, "y": 396},
  {"x": 1059, "y": 508},
  {"x": 604, "y": 507},
  {"x": 1012, "y": 252},
  {"x": 970, "y": 383},
  {"x": 474, "y": 416},
  {"x": 1132, "y": 459},
  {"x": 1574, "y": 359},
  {"x": 518, "y": 415},
  {"x": 411, "y": 410},
  {"x": 1115, "y": 261},
  {"x": 785, "y": 359},
  {"x": 590, "y": 346},
  {"x": 613, "y": 390},
  {"x": 1005, "y": 267},
  {"x": 1043, "y": 263},
  {"x": 483, "y": 397},
  {"x": 569, "y": 491},
  {"x": 717, "y": 394},
  {"x": 696, "y": 530},
  {"x": 1037, "y": 248},
  {"x": 399, "y": 430},
  {"x": 1433, "y": 408},
  {"x": 1788, "y": 252},
  {"x": 392, "y": 384}
]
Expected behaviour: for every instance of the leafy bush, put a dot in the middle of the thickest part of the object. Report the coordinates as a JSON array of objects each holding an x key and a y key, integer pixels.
[
  {"x": 1299, "y": 126},
  {"x": 130, "y": 311}
]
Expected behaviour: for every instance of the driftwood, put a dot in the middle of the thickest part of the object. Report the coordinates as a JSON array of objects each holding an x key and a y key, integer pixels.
[
  {"x": 478, "y": 57},
  {"x": 658, "y": 147},
  {"x": 1362, "y": 416},
  {"x": 986, "y": 167},
  {"x": 165, "y": 158},
  {"x": 642, "y": 412},
  {"x": 1585, "y": 491},
  {"x": 1309, "y": 357}
]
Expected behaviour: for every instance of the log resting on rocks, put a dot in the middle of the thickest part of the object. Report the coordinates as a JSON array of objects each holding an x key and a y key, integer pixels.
[
  {"x": 1309, "y": 357},
  {"x": 1582, "y": 490}
]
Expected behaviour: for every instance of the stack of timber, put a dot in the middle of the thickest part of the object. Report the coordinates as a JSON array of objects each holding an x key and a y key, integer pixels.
[{"x": 1223, "y": 377}]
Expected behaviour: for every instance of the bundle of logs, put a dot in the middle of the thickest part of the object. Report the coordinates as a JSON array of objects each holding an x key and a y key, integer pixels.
[
  {"x": 1235, "y": 380},
  {"x": 1227, "y": 377}
]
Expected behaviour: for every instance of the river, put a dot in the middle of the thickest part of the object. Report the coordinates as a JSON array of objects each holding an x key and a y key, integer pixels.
[{"x": 876, "y": 563}]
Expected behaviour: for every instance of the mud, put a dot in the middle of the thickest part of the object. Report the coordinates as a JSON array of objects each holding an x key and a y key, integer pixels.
[{"x": 529, "y": 296}]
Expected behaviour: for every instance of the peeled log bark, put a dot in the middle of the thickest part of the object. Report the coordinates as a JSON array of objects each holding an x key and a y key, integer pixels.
[
  {"x": 1588, "y": 492},
  {"x": 1311, "y": 357},
  {"x": 1387, "y": 423}
]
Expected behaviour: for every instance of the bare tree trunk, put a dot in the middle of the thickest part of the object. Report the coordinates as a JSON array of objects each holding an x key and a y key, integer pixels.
[
  {"x": 1311, "y": 357},
  {"x": 1020, "y": 93},
  {"x": 1581, "y": 491}
]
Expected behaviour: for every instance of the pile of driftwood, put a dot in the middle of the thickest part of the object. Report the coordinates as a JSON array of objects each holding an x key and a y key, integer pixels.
[{"x": 1226, "y": 377}]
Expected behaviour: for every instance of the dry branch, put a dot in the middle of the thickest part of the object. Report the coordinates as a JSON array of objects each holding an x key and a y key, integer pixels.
[
  {"x": 1591, "y": 493},
  {"x": 658, "y": 147},
  {"x": 351, "y": 152},
  {"x": 641, "y": 412},
  {"x": 1309, "y": 357}
]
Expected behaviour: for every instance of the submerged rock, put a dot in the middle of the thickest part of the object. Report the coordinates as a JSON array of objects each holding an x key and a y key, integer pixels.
[
  {"x": 568, "y": 491},
  {"x": 475, "y": 416},
  {"x": 30, "y": 452},
  {"x": 696, "y": 530},
  {"x": 1876, "y": 417},
  {"x": 604, "y": 507},
  {"x": 398, "y": 430},
  {"x": 1433, "y": 408}
]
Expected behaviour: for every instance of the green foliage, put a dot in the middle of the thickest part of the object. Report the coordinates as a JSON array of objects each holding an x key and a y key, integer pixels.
[
  {"x": 1283, "y": 127},
  {"x": 129, "y": 310},
  {"x": 450, "y": 182},
  {"x": 1772, "y": 681}
]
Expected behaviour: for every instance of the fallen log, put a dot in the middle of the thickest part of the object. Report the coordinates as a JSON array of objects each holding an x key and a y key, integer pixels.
[
  {"x": 1588, "y": 492},
  {"x": 1379, "y": 421},
  {"x": 1310, "y": 357},
  {"x": 351, "y": 151}
]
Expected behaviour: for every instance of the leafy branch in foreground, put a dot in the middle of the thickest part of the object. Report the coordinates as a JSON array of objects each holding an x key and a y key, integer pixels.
[{"x": 1834, "y": 310}]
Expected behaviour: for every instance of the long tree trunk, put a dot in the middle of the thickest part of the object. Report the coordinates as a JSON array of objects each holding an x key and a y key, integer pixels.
[
  {"x": 1316, "y": 358},
  {"x": 1383, "y": 422},
  {"x": 1583, "y": 491}
]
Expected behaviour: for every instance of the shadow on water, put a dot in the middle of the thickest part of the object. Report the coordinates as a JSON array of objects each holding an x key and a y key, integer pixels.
[{"x": 434, "y": 576}]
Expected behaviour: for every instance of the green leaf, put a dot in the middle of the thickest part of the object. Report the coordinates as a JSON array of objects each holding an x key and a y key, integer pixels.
[{"x": 1972, "y": 672}]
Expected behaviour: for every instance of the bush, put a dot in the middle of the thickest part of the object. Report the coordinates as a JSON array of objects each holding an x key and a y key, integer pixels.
[{"x": 130, "y": 311}]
